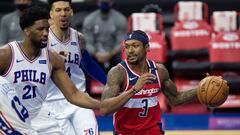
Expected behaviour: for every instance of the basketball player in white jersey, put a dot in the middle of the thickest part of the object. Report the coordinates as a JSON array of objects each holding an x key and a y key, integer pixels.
[
  {"x": 13, "y": 115},
  {"x": 29, "y": 66},
  {"x": 71, "y": 45}
]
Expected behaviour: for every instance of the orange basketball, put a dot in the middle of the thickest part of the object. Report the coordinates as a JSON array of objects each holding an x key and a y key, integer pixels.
[{"x": 212, "y": 91}]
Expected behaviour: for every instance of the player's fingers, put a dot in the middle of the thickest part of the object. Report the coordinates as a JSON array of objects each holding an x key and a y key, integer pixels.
[{"x": 207, "y": 74}]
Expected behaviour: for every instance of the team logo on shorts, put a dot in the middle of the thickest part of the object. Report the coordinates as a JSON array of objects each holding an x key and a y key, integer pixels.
[{"x": 6, "y": 128}]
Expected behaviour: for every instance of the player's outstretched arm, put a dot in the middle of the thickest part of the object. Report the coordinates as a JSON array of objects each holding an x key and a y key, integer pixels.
[
  {"x": 170, "y": 91},
  {"x": 92, "y": 68},
  {"x": 63, "y": 82},
  {"x": 111, "y": 99}
]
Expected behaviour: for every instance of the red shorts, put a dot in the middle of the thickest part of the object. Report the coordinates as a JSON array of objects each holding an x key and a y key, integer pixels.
[{"x": 156, "y": 130}]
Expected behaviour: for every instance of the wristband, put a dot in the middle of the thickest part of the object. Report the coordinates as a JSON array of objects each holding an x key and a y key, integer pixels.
[{"x": 134, "y": 90}]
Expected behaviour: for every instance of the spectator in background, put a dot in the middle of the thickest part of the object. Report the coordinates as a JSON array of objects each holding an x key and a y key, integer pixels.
[
  {"x": 104, "y": 29},
  {"x": 10, "y": 29}
]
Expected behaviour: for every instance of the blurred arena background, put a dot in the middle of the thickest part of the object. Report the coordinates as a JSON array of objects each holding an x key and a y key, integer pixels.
[{"x": 187, "y": 58}]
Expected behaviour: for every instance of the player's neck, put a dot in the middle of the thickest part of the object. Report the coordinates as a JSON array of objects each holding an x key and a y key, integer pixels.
[
  {"x": 140, "y": 68},
  {"x": 61, "y": 34},
  {"x": 29, "y": 50}
]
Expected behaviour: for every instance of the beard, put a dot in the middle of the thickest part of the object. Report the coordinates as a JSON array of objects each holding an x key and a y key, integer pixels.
[{"x": 39, "y": 44}]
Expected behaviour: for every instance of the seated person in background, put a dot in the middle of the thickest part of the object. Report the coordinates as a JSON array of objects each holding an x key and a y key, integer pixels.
[
  {"x": 104, "y": 29},
  {"x": 10, "y": 29}
]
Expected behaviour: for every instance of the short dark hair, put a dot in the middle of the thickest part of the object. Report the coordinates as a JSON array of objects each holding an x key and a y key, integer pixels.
[
  {"x": 33, "y": 14},
  {"x": 50, "y": 2}
]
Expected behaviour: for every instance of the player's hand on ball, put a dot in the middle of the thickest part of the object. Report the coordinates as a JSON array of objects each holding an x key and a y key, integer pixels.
[{"x": 212, "y": 91}]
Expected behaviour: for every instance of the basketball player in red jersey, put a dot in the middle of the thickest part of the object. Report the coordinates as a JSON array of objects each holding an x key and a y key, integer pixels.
[{"x": 132, "y": 88}]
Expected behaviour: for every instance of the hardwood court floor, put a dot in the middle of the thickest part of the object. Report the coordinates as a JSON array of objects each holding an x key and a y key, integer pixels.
[{"x": 194, "y": 132}]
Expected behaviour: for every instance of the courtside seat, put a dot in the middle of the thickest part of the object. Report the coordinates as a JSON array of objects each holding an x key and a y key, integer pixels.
[
  {"x": 224, "y": 53},
  {"x": 191, "y": 32},
  {"x": 190, "y": 38}
]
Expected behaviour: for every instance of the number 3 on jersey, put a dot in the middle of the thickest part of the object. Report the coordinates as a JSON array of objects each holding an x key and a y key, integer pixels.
[{"x": 145, "y": 108}]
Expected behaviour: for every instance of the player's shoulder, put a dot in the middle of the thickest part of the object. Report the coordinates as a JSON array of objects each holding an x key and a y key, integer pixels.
[
  {"x": 55, "y": 59},
  {"x": 118, "y": 68},
  {"x": 160, "y": 66},
  {"x": 5, "y": 49},
  {"x": 117, "y": 73},
  {"x": 162, "y": 70},
  {"x": 52, "y": 54}
]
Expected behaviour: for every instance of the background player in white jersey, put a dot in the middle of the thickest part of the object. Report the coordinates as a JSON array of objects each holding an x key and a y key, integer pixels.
[
  {"x": 13, "y": 115},
  {"x": 29, "y": 66},
  {"x": 71, "y": 44}
]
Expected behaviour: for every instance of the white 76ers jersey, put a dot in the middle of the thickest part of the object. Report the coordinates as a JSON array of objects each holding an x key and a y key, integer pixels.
[
  {"x": 72, "y": 62},
  {"x": 29, "y": 77},
  {"x": 13, "y": 115}
]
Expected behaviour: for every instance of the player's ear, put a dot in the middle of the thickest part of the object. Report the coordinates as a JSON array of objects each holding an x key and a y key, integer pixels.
[
  {"x": 71, "y": 12},
  {"x": 147, "y": 46},
  {"x": 51, "y": 14},
  {"x": 27, "y": 31}
]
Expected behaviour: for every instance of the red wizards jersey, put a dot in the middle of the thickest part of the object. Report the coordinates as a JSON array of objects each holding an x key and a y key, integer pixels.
[{"x": 142, "y": 111}]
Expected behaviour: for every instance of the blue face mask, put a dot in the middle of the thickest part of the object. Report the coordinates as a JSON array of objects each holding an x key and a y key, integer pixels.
[{"x": 105, "y": 6}]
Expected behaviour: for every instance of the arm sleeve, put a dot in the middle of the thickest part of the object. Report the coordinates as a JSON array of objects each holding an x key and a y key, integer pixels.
[{"x": 92, "y": 68}]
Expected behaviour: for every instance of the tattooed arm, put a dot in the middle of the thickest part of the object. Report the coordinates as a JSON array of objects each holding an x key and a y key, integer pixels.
[
  {"x": 111, "y": 99},
  {"x": 170, "y": 91}
]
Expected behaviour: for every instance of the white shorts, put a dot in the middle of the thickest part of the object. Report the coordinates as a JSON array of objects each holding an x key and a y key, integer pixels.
[
  {"x": 44, "y": 124},
  {"x": 72, "y": 119}
]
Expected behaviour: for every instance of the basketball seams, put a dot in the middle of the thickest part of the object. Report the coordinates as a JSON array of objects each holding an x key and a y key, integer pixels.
[
  {"x": 211, "y": 91},
  {"x": 217, "y": 92},
  {"x": 209, "y": 82}
]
